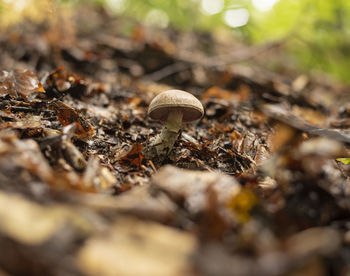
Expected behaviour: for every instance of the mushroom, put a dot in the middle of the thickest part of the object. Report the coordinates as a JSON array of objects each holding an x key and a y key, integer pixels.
[{"x": 173, "y": 107}]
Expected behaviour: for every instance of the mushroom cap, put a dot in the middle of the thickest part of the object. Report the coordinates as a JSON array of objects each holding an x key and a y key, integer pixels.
[{"x": 175, "y": 100}]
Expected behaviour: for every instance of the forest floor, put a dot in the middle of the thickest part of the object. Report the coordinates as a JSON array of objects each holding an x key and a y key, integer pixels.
[{"x": 253, "y": 188}]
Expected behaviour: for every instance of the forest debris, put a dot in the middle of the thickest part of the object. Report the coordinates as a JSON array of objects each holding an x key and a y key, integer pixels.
[
  {"x": 23, "y": 154},
  {"x": 70, "y": 152},
  {"x": 150, "y": 88},
  {"x": 314, "y": 241},
  {"x": 73, "y": 156},
  {"x": 256, "y": 227},
  {"x": 219, "y": 109},
  {"x": 283, "y": 135},
  {"x": 133, "y": 247},
  {"x": 61, "y": 81},
  {"x": 242, "y": 203},
  {"x": 309, "y": 115},
  {"x": 217, "y": 92},
  {"x": 267, "y": 183},
  {"x": 68, "y": 115},
  {"x": 343, "y": 123},
  {"x": 107, "y": 179},
  {"x": 241, "y": 94},
  {"x": 300, "y": 82},
  {"x": 345, "y": 160},
  {"x": 213, "y": 223},
  {"x": 97, "y": 176},
  {"x": 7, "y": 115},
  {"x": 30, "y": 223},
  {"x": 283, "y": 114},
  {"x": 119, "y": 151},
  {"x": 27, "y": 222},
  {"x": 191, "y": 186},
  {"x": 134, "y": 157},
  {"x": 141, "y": 202},
  {"x": 25, "y": 123},
  {"x": 20, "y": 82},
  {"x": 262, "y": 154},
  {"x": 321, "y": 146}
]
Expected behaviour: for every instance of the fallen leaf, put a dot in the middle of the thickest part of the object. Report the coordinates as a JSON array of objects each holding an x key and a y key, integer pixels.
[
  {"x": 30, "y": 223},
  {"x": 133, "y": 247},
  {"x": 242, "y": 203},
  {"x": 217, "y": 92},
  {"x": 345, "y": 161},
  {"x": 192, "y": 186},
  {"x": 20, "y": 82},
  {"x": 67, "y": 115},
  {"x": 134, "y": 157}
]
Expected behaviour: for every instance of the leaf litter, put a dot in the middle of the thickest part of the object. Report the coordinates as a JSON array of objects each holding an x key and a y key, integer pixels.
[{"x": 258, "y": 186}]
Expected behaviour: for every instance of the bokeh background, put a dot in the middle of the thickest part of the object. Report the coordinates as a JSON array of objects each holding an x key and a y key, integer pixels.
[{"x": 313, "y": 33}]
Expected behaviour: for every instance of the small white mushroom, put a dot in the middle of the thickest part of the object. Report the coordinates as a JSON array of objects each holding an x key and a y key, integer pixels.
[{"x": 173, "y": 107}]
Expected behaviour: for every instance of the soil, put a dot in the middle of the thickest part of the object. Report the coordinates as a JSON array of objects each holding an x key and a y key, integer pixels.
[{"x": 257, "y": 186}]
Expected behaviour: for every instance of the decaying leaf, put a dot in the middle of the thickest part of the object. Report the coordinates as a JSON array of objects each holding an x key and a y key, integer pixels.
[
  {"x": 321, "y": 146},
  {"x": 217, "y": 92},
  {"x": 30, "y": 223},
  {"x": 61, "y": 81},
  {"x": 134, "y": 157},
  {"x": 23, "y": 154},
  {"x": 345, "y": 161},
  {"x": 242, "y": 94},
  {"x": 98, "y": 177},
  {"x": 283, "y": 114},
  {"x": 242, "y": 203},
  {"x": 74, "y": 157},
  {"x": 68, "y": 115},
  {"x": 20, "y": 82},
  {"x": 133, "y": 247},
  {"x": 314, "y": 241},
  {"x": 191, "y": 186}
]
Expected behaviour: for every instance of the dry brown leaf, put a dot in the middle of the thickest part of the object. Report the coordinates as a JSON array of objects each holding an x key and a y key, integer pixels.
[
  {"x": 20, "y": 82},
  {"x": 282, "y": 136},
  {"x": 133, "y": 247},
  {"x": 25, "y": 154},
  {"x": 97, "y": 177},
  {"x": 134, "y": 157},
  {"x": 309, "y": 115},
  {"x": 217, "y": 92},
  {"x": 31, "y": 223},
  {"x": 62, "y": 80},
  {"x": 192, "y": 186},
  {"x": 67, "y": 115},
  {"x": 318, "y": 240}
]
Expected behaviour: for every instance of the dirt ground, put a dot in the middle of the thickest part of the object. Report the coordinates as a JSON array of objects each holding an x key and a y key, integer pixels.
[{"x": 255, "y": 187}]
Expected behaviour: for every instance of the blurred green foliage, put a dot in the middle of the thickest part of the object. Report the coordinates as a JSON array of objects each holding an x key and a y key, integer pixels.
[{"x": 316, "y": 31}]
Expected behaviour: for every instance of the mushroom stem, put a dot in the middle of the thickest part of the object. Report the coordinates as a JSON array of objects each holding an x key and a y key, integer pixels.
[
  {"x": 174, "y": 121},
  {"x": 166, "y": 139}
]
